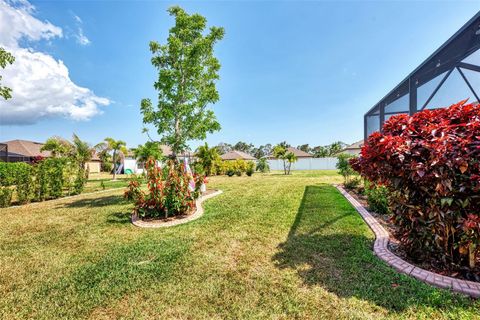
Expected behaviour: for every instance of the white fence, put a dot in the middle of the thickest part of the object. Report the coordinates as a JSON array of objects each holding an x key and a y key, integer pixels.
[{"x": 306, "y": 164}]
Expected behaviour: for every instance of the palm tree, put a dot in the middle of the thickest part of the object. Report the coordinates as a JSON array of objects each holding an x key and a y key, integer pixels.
[
  {"x": 207, "y": 156},
  {"x": 117, "y": 147},
  {"x": 82, "y": 152}
]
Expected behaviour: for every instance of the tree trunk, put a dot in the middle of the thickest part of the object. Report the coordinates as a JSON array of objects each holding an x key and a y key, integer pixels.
[
  {"x": 471, "y": 255},
  {"x": 114, "y": 165}
]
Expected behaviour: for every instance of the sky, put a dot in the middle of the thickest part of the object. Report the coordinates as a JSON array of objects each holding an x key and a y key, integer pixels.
[{"x": 301, "y": 72}]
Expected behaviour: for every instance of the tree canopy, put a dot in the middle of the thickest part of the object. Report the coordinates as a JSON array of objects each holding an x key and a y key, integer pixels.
[
  {"x": 188, "y": 71},
  {"x": 5, "y": 58}
]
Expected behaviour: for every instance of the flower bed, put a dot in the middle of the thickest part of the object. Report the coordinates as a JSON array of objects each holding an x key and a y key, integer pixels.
[{"x": 178, "y": 219}]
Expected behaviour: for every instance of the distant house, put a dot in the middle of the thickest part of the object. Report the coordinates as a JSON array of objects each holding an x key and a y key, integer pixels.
[
  {"x": 237, "y": 155},
  {"x": 131, "y": 165},
  {"x": 28, "y": 151},
  {"x": 297, "y": 152},
  {"x": 22, "y": 151},
  {"x": 354, "y": 148}
]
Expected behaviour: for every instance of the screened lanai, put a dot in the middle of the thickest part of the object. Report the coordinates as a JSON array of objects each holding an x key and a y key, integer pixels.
[{"x": 450, "y": 74}]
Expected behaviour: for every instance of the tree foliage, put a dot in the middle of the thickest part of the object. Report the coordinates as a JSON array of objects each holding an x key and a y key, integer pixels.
[
  {"x": 188, "y": 71},
  {"x": 5, "y": 58},
  {"x": 280, "y": 151},
  {"x": 150, "y": 150},
  {"x": 207, "y": 157},
  {"x": 117, "y": 147}
]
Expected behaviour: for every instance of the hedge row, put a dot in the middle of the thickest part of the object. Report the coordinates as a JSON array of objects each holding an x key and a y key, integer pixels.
[{"x": 48, "y": 179}]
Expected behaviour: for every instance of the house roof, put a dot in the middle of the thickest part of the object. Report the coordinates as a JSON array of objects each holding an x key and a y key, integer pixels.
[
  {"x": 26, "y": 148},
  {"x": 236, "y": 154},
  {"x": 356, "y": 145},
  {"x": 299, "y": 153}
]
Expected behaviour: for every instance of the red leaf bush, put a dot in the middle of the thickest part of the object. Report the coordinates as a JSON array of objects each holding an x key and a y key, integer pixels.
[
  {"x": 164, "y": 198},
  {"x": 430, "y": 164}
]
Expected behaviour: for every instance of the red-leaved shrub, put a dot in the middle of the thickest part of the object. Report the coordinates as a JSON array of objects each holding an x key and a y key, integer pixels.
[
  {"x": 164, "y": 198},
  {"x": 430, "y": 164}
]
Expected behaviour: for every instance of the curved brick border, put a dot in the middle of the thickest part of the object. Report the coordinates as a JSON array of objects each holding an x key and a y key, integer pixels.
[
  {"x": 380, "y": 248},
  {"x": 161, "y": 224}
]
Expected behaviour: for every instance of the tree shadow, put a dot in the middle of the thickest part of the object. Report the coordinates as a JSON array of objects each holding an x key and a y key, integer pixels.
[
  {"x": 95, "y": 202},
  {"x": 329, "y": 245},
  {"x": 119, "y": 217}
]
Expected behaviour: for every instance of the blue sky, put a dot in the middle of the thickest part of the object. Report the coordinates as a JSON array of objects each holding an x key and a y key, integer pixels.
[{"x": 304, "y": 72}]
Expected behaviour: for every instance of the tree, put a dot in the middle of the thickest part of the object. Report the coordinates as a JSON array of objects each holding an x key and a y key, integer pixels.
[
  {"x": 262, "y": 165},
  {"x": 304, "y": 147},
  {"x": 281, "y": 152},
  {"x": 207, "y": 157},
  {"x": 58, "y": 147},
  {"x": 82, "y": 153},
  {"x": 150, "y": 150},
  {"x": 117, "y": 147},
  {"x": 188, "y": 71},
  {"x": 223, "y": 148},
  {"x": 5, "y": 58},
  {"x": 244, "y": 147}
]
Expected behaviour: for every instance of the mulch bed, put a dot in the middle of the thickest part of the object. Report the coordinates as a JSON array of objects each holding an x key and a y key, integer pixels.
[
  {"x": 396, "y": 247},
  {"x": 178, "y": 216}
]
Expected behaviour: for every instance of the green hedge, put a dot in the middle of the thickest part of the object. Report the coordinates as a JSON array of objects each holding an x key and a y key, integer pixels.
[{"x": 48, "y": 179}]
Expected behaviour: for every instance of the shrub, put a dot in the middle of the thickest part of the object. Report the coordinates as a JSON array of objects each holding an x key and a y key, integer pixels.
[
  {"x": 352, "y": 183},
  {"x": 430, "y": 164},
  {"x": 9, "y": 171},
  {"x": 262, "y": 165},
  {"x": 346, "y": 171},
  {"x": 173, "y": 196},
  {"x": 23, "y": 182},
  {"x": 230, "y": 171},
  {"x": 5, "y": 196},
  {"x": 377, "y": 198},
  {"x": 250, "y": 168}
]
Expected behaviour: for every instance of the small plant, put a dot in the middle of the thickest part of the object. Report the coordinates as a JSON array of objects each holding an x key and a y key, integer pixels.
[
  {"x": 230, "y": 172},
  {"x": 102, "y": 185},
  {"x": 250, "y": 168},
  {"x": 262, "y": 165},
  {"x": 350, "y": 176},
  {"x": 377, "y": 198},
  {"x": 5, "y": 196}
]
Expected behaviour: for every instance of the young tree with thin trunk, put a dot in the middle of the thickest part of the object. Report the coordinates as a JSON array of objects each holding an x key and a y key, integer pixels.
[{"x": 188, "y": 71}]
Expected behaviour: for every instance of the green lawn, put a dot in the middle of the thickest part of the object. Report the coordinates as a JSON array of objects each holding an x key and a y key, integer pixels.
[{"x": 268, "y": 247}]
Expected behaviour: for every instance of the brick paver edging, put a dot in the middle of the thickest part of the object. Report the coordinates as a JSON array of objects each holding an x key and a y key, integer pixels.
[
  {"x": 380, "y": 249},
  {"x": 161, "y": 224}
]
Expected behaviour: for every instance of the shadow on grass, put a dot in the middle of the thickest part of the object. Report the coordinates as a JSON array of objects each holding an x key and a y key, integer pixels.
[
  {"x": 101, "y": 201},
  {"x": 119, "y": 217},
  {"x": 330, "y": 245}
]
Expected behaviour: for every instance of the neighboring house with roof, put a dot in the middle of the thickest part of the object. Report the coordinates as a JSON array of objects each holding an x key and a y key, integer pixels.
[
  {"x": 297, "y": 152},
  {"x": 237, "y": 155},
  {"x": 131, "y": 165},
  {"x": 23, "y": 151},
  {"x": 354, "y": 148},
  {"x": 27, "y": 151}
]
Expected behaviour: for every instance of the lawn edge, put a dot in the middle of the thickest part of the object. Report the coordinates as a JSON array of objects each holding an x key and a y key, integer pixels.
[
  {"x": 380, "y": 249},
  {"x": 61, "y": 198},
  {"x": 197, "y": 214}
]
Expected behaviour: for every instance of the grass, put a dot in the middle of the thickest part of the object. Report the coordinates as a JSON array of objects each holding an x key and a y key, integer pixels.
[{"x": 269, "y": 247}]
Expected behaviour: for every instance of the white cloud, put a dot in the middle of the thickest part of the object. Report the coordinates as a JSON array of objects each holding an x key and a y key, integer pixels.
[
  {"x": 80, "y": 36},
  {"x": 41, "y": 85}
]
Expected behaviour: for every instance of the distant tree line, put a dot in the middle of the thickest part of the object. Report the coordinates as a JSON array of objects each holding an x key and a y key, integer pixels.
[{"x": 267, "y": 149}]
